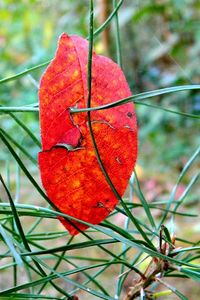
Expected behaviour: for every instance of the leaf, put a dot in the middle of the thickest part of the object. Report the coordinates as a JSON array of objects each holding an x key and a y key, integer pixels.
[{"x": 69, "y": 169}]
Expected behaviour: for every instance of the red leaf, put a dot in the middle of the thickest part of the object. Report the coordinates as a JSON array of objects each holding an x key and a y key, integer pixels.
[{"x": 69, "y": 169}]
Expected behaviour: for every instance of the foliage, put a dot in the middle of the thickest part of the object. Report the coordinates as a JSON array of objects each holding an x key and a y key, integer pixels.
[{"x": 39, "y": 258}]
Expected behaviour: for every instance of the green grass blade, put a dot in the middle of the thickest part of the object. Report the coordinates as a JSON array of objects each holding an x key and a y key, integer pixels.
[
  {"x": 8, "y": 240},
  {"x": 184, "y": 250},
  {"x": 75, "y": 246},
  {"x": 117, "y": 36},
  {"x": 194, "y": 179},
  {"x": 134, "y": 98},
  {"x": 26, "y": 129},
  {"x": 64, "y": 276},
  {"x": 138, "y": 97},
  {"x": 32, "y": 180},
  {"x": 121, "y": 239},
  {"x": 23, "y": 73},
  {"x": 144, "y": 203},
  {"x": 22, "y": 166},
  {"x": 20, "y": 147},
  {"x": 23, "y": 237},
  {"x": 21, "y": 296},
  {"x": 106, "y": 23},
  {"x": 182, "y": 174},
  {"x": 181, "y": 114},
  {"x": 10, "y": 109}
]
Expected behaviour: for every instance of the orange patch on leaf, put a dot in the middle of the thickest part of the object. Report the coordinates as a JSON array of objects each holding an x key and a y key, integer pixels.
[{"x": 69, "y": 169}]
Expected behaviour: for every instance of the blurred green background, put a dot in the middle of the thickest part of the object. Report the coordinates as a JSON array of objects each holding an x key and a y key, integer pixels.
[{"x": 160, "y": 48}]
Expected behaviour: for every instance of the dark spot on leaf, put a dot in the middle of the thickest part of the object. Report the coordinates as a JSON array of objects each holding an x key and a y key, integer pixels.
[{"x": 129, "y": 114}]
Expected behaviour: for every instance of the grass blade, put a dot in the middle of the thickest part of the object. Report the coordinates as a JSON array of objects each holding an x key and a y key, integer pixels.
[
  {"x": 117, "y": 36},
  {"x": 26, "y": 129},
  {"x": 139, "y": 97},
  {"x": 144, "y": 203},
  {"x": 23, "y": 73},
  {"x": 182, "y": 174},
  {"x": 20, "y": 147}
]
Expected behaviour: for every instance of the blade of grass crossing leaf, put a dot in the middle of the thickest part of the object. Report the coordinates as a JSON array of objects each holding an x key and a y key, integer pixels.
[
  {"x": 32, "y": 180},
  {"x": 138, "y": 97},
  {"x": 27, "y": 173},
  {"x": 89, "y": 81},
  {"x": 134, "y": 98}
]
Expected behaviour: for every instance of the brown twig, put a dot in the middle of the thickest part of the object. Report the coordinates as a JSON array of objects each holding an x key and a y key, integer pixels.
[{"x": 154, "y": 270}]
